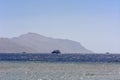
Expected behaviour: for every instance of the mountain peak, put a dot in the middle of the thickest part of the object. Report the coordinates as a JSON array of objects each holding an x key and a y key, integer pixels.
[{"x": 31, "y": 35}]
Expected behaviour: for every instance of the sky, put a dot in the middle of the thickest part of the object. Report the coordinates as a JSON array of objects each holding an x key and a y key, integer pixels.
[{"x": 93, "y": 23}]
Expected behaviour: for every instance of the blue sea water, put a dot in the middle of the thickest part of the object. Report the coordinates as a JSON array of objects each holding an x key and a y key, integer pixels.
[
  {"x": 36, "y": 70},
  {"x": 60, "y": 57}
]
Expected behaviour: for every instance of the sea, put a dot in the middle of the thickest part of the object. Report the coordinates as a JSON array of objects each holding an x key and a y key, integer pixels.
[
  {"x": 38, "y": 70},
  {"x": 59, "y": 67}
]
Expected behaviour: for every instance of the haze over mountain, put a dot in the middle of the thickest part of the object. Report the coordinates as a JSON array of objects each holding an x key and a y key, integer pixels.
[{"x": 35, "y": 43}]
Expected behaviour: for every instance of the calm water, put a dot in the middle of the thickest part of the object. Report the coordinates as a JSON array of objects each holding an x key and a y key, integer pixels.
[{"x": 59, "y": 71}]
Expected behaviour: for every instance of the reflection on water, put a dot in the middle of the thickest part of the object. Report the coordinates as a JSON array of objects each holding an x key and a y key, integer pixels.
[{"x": 59, "y": 71}]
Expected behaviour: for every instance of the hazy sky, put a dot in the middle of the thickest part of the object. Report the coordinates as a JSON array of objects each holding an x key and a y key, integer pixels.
[{"x": 94, "y": 23}]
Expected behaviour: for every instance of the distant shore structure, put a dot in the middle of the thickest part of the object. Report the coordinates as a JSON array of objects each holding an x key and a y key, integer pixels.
[
  {"x": 56, "y": 52},
  {"x": 24, "y": 52},
  {"x": 107, "y": 52}
]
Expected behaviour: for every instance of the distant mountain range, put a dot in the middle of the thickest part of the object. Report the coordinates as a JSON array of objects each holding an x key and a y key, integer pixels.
[{"x": 35, "y": 43}]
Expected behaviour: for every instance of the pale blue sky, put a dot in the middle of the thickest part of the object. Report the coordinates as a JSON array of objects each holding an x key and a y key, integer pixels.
[{"x": 93, "y": 23}]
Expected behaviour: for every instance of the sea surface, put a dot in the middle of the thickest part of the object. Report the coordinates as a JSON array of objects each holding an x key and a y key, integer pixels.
[{"x": 37, "y": 70}]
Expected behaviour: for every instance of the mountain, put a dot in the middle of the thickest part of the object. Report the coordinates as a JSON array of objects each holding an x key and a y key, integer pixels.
[
  {"x": 35, "y": 43},
  {"x": 8, "y": 46}
]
